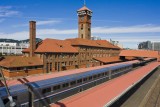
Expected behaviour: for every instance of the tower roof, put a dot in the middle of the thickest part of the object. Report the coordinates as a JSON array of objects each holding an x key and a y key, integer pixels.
[{"x": 84, "y": 8}]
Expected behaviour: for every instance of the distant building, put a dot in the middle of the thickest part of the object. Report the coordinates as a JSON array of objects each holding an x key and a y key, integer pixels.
[
  {"x": 156, "y": 46},
  {"x": 147, "y": 45},
  {"x": 7, "y": 44},
  {"x": 95, "y": 38},
  {"x": 7, "y": 48}
]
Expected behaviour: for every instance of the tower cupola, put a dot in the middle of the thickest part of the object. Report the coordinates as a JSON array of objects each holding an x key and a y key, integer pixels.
[{"x": 84, "y": 22}]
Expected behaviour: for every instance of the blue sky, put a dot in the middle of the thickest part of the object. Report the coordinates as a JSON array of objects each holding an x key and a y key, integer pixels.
[{"x": 126, "y": 21}]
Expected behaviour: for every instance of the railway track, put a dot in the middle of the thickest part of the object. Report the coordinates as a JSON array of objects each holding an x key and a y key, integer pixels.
[
  {"x": 146, "y": 94},
  {"x": 152, "y": 99}
]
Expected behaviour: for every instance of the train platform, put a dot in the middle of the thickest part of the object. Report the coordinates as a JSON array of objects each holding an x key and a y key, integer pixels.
[
  {"x": 34, "y": 78},
  {"x": 106, "y": 93}
]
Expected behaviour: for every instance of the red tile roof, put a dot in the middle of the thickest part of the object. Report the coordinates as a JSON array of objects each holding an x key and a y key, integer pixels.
[
  {"x": 113, "y": 59},
  {"x": 20, "y": 61},
  {"x": 105, "y": 43},
  {"x": 139, "y": 53},
  {"x": 108, "y": 59},
  {"x": 93, "y": 43},
  {"x": 130, "y": 58},
  {"x": 54, "y": 45},
  {"x": 84, "y": 8},
  {"x": 66, "y": 46}
]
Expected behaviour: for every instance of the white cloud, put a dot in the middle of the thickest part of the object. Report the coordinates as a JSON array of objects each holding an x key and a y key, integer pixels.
[
  {"x": 136, "y": 39},
  {"x": 16, "y": 35},
  {"x": 56, "y": 31},
  {"x": 132, "y": 37},
  {"x": 6, "y": 11},
  {"x": 104, "y": 30},
  {"x": 49, "y": 33},
  {"x": 48, "y": 22},
  {"x": 39, "y": 23},
  {"x": 127, "y": 29}
]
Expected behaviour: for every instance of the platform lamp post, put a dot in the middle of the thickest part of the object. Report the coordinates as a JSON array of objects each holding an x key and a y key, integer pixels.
[{"x": 12, "y": 103}]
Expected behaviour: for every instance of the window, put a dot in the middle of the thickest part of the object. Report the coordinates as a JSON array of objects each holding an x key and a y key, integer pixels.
[
  {"x": 55, "y": 66},
  {"x": 50, "y": 66},
  {"x": 14, "y": 97},
  {"x": 60, "y": 46},
  {"x": 90, "y": 78},
  {"x": 63, "y": 56},
  {"x": 18, "y": 68},
  {"x": 46, "y": 90},
  {"x": 84, "y": 79},
  {"x": 5, "y": 101},
  {"x": 70, "y": 62},
  {"x": 94, "y": 76},
  {"x": 79, "y": 81},
  {"x": 99, "y": 75},
  {"x": 65, "y": 85},
  {"x": 57, "y": 87},
  {"x": 81, "y": 26},
  {"x": 13, "y": 69},
  {"x": 81, "y": 35},
  {"x": 56, "y": 56},
  {"x": 73, "y": 83},
  {"x": 40, "y": 56}
]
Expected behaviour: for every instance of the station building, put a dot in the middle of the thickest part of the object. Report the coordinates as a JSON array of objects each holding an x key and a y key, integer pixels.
[{"x": 52, "y": 55}]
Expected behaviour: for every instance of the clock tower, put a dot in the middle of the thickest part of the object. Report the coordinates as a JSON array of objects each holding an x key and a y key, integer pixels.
[{"x": 84, "y": 23}]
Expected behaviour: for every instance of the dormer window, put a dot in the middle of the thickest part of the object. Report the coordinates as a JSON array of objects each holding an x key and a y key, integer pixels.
[{"x": 60, "y": 46}]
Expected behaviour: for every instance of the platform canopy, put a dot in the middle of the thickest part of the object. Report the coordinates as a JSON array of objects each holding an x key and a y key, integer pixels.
[{"x": 140, "y": 53}]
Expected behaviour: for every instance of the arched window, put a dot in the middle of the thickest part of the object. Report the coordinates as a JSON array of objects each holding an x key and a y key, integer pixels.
[
  {"x": 81, "y": 26},
  {"x": 81, "y": 35}
]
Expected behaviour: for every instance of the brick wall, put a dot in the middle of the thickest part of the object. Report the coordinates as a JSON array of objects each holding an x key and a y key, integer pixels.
[{"x": 21, "y": 73}]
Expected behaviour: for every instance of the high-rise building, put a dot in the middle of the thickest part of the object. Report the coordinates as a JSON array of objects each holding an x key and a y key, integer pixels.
[
  {"x": 156, "y": 46},
  {"x": 147, "y": 45}
]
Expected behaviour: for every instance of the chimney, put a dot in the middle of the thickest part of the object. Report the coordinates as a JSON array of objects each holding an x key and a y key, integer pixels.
[{"x": 32, "y": 33}]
